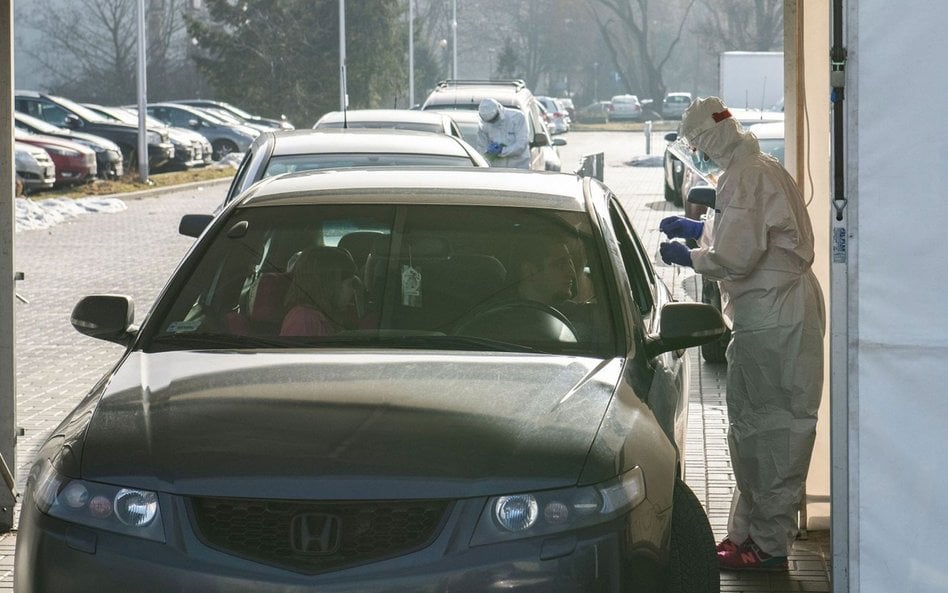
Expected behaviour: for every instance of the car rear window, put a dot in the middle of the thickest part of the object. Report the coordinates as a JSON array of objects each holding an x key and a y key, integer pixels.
[
  {"x": 311, "y": 162},
  {"x": 388, "y": 125}
]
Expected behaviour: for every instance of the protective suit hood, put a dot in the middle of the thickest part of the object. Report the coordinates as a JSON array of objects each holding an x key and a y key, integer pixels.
[
  {"x": 708, "y": 126},
  {"x": 490, "y": 109}
]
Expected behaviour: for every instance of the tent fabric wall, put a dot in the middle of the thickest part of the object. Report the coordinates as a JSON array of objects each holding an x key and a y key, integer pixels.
[{"x": 896, "y": 137}]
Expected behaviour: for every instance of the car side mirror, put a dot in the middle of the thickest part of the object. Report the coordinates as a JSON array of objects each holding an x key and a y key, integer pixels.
[
  {"x": 193, "y": 123},
  {"x": 685, "y": 325},
  {"x": 105, "y": 317},
  {"x": 71, "y": 121},
  {"x": 192, "y": 225},
  {"x": 540, "y": 139},
  {"x": 702, "y": 195},
  {"x": 671, "y": 136},
  {"x": 559, "y": 142}
]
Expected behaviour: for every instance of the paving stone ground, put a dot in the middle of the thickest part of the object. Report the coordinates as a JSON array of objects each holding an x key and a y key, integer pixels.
[{"x": 133, "y": 252}]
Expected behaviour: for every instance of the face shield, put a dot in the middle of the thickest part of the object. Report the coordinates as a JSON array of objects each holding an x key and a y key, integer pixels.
[{"x": 695, "y": 159}]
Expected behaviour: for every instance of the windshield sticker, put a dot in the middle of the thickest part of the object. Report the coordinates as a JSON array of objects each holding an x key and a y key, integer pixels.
[{"x": 181, "y": 327}]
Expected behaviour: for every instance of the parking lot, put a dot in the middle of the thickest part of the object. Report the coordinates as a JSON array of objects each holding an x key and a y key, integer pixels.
[{"x": 132, "y": 252}]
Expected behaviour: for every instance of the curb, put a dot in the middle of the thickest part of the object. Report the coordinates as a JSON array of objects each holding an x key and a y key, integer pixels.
[{"x": 150, "y": 193}]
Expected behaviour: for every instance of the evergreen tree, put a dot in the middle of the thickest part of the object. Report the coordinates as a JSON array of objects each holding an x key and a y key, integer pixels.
[{"x": 278, "y": 57}]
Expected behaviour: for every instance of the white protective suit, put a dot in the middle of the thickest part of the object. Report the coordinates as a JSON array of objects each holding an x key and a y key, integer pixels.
[
  {"x": 759, "y": 247},
  {"x": 507, "y": 127}
]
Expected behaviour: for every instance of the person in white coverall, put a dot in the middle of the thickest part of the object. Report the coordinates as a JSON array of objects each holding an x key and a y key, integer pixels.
[
  {"x": 758, "y": 245},
  {"x": 502, "y": 135}
]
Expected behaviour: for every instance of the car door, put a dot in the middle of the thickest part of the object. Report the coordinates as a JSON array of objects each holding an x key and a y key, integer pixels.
[{"x": 667, "y": 393}]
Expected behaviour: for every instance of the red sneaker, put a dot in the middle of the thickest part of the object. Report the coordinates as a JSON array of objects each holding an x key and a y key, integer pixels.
[
  {"x": 727, "y": 545},
  {"x": 750, "y": 557}
]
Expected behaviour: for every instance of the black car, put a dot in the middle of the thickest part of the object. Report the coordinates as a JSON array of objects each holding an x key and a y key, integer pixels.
[
  {"x": 64, "y": 113},
  {"x": 492, "y": 396},
  {"x": 108, "y": 155}
]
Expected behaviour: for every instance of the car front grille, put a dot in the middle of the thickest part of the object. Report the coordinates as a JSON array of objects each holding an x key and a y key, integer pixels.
[{"x": 315, "y": 537}]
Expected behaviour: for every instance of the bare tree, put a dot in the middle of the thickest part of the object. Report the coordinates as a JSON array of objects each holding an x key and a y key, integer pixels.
[
  {"x": 90, "y": 48},
  {"x": 745, "y": 25},
  {"x": 641, "y": 36}
]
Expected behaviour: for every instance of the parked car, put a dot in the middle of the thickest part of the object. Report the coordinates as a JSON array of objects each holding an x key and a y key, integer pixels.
[
  {"x": 674, "y": 104},
  {"x": 65, "y": 113},
  {"x": 466, "y": 95},
  {"x": 225, "y": 138},
  {"x": 398, "y": 119},
  {"x": 274, "y": 153},
  {"x": 448, "y": 436},
  {"x": 625, "y": 107},
  {"x": 570, "y": 107},
  {"x": 233, "y": 120},
  {"x": 559, "y": 120},
  {"x": 770, "y": 136},
  {"x": 596, "y": 112},
  {"x": 469, "y": 122},
  {"x": 108, "y": 155},
  {"x": 675, "y": 171},
  {"x": 190, "y": 148},
  {"x": 75, "y": 163},
  {"x": 34, "y": 168},
  {"x": 279, "y": 124}
]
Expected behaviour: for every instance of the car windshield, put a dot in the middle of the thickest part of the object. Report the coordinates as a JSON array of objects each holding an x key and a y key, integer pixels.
[
  {"x": 415, "y": 276},
  {"x": 81, "y": 110},
  {"x": 37, "y": 124},
  {"x": 235, "y": 110},
  {"x": 131, "y": 117},
  {"x": 199, "y": 113},
  {"x": 312, "y": 162}
]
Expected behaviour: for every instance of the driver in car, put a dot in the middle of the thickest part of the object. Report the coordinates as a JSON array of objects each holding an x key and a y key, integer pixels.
[{"x": 544, "y": 270}]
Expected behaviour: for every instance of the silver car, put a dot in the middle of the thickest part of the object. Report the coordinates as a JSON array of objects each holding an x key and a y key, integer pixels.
[
  {"x": 274, "y": 153},
  {"x": 34, "y": 167},
  {"x": 225, "y": 138}
]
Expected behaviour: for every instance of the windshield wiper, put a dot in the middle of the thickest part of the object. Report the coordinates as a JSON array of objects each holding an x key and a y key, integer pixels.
[
  {"x": 447, "y": 342},
  {"x": 217, "y": 341}
]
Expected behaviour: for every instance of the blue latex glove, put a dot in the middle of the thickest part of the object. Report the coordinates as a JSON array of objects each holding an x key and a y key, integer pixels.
[
  {"x": 675, "y": 253},
  {"x": 679, "y": 227},
  {"x": 494, "y": 148}
]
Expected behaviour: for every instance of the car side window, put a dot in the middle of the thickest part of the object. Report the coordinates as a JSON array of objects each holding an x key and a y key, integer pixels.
[{"x": 641, "y": 276}]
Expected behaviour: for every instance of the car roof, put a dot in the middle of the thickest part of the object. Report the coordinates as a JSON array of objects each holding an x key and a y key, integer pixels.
[
  {"x": 468, "y": 95},
  {"x": 749, "y": 117},
  {"x": 460, "y": 115},
  {"x": 443, "y": 186},
  {"x": 367, "y": 140},
  {"x": 382, "y": 115},
  {"x": 768, "y": 131}
]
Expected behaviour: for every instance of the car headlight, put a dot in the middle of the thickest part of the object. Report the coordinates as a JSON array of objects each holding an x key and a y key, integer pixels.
[
  {"x": 153, "y": 137},
  {"x": 546, "y": 512},
  {"x": 25, "y": 160},
  {"x": 130, "y": 511}
]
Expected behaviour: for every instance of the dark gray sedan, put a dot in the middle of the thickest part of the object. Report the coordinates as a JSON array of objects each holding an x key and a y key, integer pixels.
[{"x": 491, "y": 396}]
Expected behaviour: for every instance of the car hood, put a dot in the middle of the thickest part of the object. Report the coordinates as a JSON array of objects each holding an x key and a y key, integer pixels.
[
  {"x": 346, "y": 424},
  {"x": 54, "y": 142}
]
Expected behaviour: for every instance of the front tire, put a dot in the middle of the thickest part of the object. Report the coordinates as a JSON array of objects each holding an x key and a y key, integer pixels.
[{"x": 692, "y": 562}]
